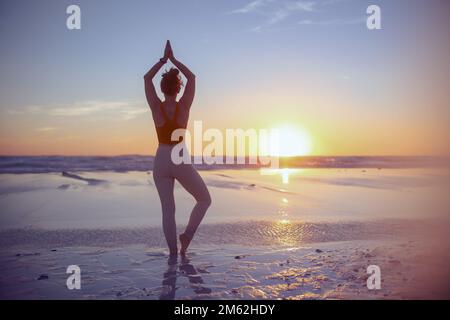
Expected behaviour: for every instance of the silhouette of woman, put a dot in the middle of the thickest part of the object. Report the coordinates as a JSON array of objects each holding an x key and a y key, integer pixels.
[{"x": 169, "y": 115}]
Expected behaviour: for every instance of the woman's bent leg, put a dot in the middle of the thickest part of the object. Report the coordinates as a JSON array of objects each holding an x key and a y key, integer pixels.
[{"x": 190, "y": 179}]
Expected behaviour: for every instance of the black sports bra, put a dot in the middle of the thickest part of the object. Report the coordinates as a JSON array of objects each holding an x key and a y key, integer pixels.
[{"x": 165, "y": 131}]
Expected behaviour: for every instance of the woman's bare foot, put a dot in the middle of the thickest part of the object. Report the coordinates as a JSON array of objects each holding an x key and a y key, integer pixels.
[
  {"x": 172, "y": 260},
  {"x": 185, "y": 241}
]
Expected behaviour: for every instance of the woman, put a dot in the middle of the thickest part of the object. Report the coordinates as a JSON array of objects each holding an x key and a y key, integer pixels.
[{"x": 169, "y": 115}]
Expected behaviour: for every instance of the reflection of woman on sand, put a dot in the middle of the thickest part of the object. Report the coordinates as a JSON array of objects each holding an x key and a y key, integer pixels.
[
  {"x": 187, "y": 270},
  {"x": 169, "y": 115}
]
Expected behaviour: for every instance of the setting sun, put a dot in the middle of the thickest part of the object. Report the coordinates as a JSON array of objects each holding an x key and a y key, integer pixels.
[{"x": 291, "y": 141}]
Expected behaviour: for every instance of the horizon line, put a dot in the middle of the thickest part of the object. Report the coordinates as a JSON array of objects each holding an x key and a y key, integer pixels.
[{"x": 246, "y": 156}]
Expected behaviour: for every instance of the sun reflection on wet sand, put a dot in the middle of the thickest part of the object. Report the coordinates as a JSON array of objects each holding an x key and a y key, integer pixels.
[
  {"x": 285, "y": 173},
  {"x": 283, "y": 226},
  {"x": 287, "y": 233}
]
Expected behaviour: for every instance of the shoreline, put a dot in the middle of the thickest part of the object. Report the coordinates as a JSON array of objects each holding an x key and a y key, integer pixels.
[{"x": 245, "y": 233}]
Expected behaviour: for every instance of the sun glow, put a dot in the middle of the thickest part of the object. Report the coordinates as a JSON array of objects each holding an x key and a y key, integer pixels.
[{"x": 291, "y": 141}]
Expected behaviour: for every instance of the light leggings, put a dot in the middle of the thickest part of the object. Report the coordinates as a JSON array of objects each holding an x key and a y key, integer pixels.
[{"x": 164, "y": 174}]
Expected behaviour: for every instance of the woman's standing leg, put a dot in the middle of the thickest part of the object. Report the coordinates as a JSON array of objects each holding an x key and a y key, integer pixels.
[
  {"x": 164, "y": 184},
  {"x": 191, "y": 180},
  {"x": 165, "y": 191}
]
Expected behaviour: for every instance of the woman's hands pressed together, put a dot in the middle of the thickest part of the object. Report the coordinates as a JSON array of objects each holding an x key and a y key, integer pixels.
[{"x": 168, "y": 52}]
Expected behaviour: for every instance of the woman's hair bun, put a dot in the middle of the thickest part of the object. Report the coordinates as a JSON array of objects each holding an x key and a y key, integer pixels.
[
  {"x": 174, "y": 71},
  {"x": 171, "y": 81}
]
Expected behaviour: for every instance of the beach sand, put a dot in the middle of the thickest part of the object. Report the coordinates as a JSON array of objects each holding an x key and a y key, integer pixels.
[{"x": 287, "y": 234}]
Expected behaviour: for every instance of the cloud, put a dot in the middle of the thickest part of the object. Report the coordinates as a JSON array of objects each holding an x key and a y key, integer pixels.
[
  {"x": 289, "y": 8},
  {"x": 251, "y": 7},
  {"x": 280, "y": 10},
  {"x": 278, "y": 16},
  {"x": 256, "y": 29},
  {"x": 118, "y": 109},
  {"x": 334, "y": 22},
  {"x": 46, "y": 129},
  {"x": 29, "y": 109},
  {"x": 331, "y": 2},
  {"x": 301, "y": 6},
  {"x": 275, "y": 11}
]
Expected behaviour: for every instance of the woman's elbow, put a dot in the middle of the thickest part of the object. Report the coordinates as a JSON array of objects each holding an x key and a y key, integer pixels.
[{"x": 148, "y": 76}]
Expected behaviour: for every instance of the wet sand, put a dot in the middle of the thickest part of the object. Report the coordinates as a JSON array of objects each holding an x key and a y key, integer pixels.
[
  {"x": 301, "y": 234},
  {"x": 330, "y": 270}
]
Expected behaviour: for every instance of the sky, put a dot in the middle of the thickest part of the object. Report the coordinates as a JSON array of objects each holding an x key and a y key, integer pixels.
[{"x": 310, "y": 64}]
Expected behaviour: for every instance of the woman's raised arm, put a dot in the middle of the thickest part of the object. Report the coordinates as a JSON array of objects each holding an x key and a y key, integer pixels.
[
  {"x": 150, "y": 92},
  {"x": 189, "y": 91}
]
